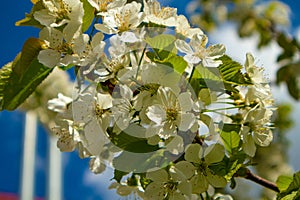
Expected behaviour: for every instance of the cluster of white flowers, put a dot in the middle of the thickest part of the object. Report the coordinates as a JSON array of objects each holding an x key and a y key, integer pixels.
[{"x": 140, "y": 87}]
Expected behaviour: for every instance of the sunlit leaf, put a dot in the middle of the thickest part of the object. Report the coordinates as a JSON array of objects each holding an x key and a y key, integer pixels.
[
  {"x": 231, "y": 71},
  {"x": 25, "y": 74},
  {"x": 283, "y": 182},
  {"x": 29, "y": 19},
  {"x": 231, "y": 140},
  {"x": 289, "y": 189},
  {"x": 163, "y": 42},
  {"x": 89, "y": 14}
]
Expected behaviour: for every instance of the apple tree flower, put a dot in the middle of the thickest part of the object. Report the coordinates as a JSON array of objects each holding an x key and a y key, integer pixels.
[
  {"x": 183, "y": 27},
  {"x": 121, "y": 19},
  {"x": 202, "y": 158},
  {"x": 58, "y": 13},
  {"x": 170, "y": 184},
  {"x": 123, "y": 109},
  {"x": 196, "y": 51},
  {"x": 93, "y": 112},
  {"x": 170, "y": 113},
  {"x": 102, "y": 6},
  {"x": 60, "y": 50},
  {"x": 59, "y": 104},
  {"x": 155, "y": 14}
]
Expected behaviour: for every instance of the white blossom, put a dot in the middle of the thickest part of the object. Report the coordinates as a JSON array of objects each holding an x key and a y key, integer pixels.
[
  {"x": 59, "y": 104},
  {"x": 103, "y": 6},
  {"x": 62, "y": 12},
  {"x": 121, "y": 19},
  {"x": 155, "y": 14},
  {"x": 170, "y": 113},
  {"x": 60, "y": 50},
  {"x": 183, "y": 27},
  {"x": 173, "y": 184},
  {"x": 197, "y": 52}
]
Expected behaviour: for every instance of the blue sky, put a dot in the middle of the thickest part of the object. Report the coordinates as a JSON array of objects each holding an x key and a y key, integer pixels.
[{"x": 12, "y": 123}]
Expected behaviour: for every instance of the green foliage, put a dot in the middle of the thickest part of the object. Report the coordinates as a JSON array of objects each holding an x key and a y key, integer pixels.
[
  {"x": 265, "y": 20},
  {"x": 19, "y": 79},
  {"x": 138, "y": 162},
  {"x": 283, "y": 120},
  {"x": 289, "y": 187},
  {"x": 165, "y": 52},
  {"x": 203, "y": 77},
  {"x": 290, "y": 74},
  {"x": 161, "y": 44},
  {"x": 131, "y": 143},
  {"x": 88, "y": 15},
  {"x": 230, "y": 71},
  {"x": 29, "y": 20},
  {"x": 231, "y": 140}
]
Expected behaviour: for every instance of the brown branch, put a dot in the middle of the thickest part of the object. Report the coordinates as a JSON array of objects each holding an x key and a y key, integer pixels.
[{"x": 261, "y": 181}]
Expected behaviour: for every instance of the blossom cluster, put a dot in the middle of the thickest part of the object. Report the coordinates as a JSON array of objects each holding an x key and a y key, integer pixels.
[{"x": 147, "y": 96}]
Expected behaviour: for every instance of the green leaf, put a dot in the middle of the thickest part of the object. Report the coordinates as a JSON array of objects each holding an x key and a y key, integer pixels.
[
  {"x": 290, "y": 74},
  {"x": 172, "y": 60},
  {"x": 227, "y": 127},
  {"x": 89, "y": 15},
  {"x": 233, "y": 170},
  {"x": 231, "y": 72},
  {"x": 292, "y": 196},
  {"x": 19, "y": 79},
  {"x": 206, "y": 77},
  {"x": 283, "y": 182},
  {"x": 289, "y": 189},
  {"x": 127, "y": 141},
  {"x": 231, "y": 140},
  {"x": 29, "y": 19},
  {"x": 162, "y": 42},
  {"x": 140, "y": 162},
  {"x": 30, "y": 51}
]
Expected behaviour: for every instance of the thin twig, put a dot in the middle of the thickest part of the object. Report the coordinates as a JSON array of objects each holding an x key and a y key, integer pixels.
[{"x": 261, "y": 181}]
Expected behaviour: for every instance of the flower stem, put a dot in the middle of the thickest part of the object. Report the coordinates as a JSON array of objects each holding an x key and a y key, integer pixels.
[
  {"x": 192, "y": 73},
  {"x": 140, "y": 61}
]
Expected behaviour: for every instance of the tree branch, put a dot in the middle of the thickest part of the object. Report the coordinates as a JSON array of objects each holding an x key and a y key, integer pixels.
[{"x": 261, "y": 181}]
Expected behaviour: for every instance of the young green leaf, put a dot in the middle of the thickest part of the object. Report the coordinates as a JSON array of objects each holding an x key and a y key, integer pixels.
[
  {"x": 162, "y": 42},
  {"x": 231, "y": 140},
  {"x": 29, "y": 19},
  {"x": 89, "y": 15},
  {"x": 231, "y": 72},
  {"x": 289, "y": 189},
  {"x": 283, "y": 182}
]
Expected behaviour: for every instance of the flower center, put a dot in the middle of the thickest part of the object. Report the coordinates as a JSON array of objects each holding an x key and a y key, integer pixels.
[
  {"x": 170, "y": 186},
  {"x": 103, "y": 4},
  {"x": 171, "y": 114},
  {"x": 123, "y": 20},
  {"x": 99, "y": 111}
]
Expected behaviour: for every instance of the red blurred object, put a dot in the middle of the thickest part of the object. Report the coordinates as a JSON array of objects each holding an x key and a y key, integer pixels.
[
  {"x": 11, "y": 196},
  {"x": 8, "y": 196}
]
